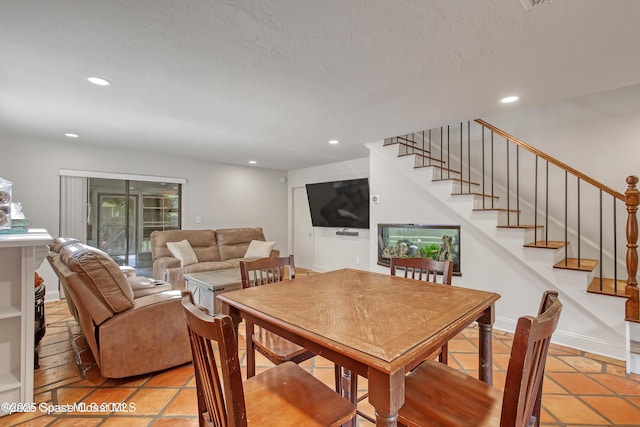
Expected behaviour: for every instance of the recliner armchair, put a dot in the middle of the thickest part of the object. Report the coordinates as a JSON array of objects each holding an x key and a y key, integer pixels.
[{"x": 127, "y": 335}]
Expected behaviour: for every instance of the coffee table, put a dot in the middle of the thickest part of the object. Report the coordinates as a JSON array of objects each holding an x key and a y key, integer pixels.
[{"x": 206, "y": 285}]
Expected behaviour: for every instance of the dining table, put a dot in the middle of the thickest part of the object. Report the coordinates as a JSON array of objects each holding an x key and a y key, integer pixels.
[{"x": 373, "y": 324}]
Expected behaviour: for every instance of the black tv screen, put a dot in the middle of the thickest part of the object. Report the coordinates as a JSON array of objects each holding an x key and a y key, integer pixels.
[{"x": 341, "y": 204}]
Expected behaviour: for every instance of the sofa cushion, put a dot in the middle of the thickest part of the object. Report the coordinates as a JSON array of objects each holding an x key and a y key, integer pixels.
[
  {"x": 259, "y": 249},
  {"x": 203, "y": 243},
  {"x": 183, "y": 251},
  {"x": 233, "y": 242},
  {"x": 102, "y": 275}
]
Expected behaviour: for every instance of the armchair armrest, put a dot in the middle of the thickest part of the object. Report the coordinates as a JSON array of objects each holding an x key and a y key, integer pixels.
[
  {"x": 161, "y": 265},
  {"x": 142, "y": 286},
  {"x": 128, "y": 271}
]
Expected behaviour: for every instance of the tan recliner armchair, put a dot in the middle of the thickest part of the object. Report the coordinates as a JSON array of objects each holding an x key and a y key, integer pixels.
[{"x": 127, "y": 335}]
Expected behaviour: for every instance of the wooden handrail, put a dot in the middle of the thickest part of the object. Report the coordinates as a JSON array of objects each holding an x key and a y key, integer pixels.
[
  {"x": 552, "y": 160},
  {"x": 632, "y": 199}
]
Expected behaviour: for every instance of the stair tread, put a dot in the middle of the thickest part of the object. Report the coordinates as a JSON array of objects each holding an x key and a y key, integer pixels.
[
  {"x": 525, "y": 226},
  {"x": 475, "y": 194},
  {"x": 550, "y": 244},
  {"x": 607, "y": 287},
  {"x": 572, "y": 264},
  {"x": 439, "y": 167},
  {"x": 496, "y": 209},
  {"x": 424, "y": 156},
  {"x": 464, "y": 181}
]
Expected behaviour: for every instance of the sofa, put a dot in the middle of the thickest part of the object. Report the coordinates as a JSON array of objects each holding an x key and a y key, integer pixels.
[
  {"x": 133, "y": 325},
  {"x": 214, "y": 250}
]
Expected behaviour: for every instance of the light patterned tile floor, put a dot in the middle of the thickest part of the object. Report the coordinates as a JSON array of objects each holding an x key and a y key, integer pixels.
[{"x": 579, "y": 389}]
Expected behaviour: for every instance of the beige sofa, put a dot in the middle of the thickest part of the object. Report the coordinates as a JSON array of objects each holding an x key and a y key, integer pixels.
[
  {"x": 132, "y": 325},
  {"x": 215, "y": 250}
]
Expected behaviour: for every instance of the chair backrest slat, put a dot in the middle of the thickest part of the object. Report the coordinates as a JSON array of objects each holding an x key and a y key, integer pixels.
[
  {"x": 266, "y": 270},
  {"x": 220, "y": 397},
  {"x": 523, "y": 386},
  {"x": 416, "y": 268}
]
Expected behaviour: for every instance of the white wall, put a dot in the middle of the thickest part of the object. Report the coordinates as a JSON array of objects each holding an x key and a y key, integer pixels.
[
  {"x": 598, "y": 135},
  {"x": 223, "y": 195},
  {"x": 331, "y": 252}
]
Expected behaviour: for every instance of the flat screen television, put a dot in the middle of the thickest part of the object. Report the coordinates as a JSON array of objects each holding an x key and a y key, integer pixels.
[{"x": 339, "y": 204}]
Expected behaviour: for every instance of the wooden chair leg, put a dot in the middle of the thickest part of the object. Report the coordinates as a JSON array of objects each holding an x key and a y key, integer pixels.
[
  {"x": 338, "y": 378},
  {"x": 251, "y": 351},
  {"x": 444, "y": 354}
]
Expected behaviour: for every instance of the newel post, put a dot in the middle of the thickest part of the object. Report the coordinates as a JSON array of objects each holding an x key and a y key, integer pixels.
[{"x": 632, "y": 199}]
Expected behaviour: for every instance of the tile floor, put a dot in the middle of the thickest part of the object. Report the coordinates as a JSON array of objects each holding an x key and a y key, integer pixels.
[{"x": 579, "y": 389}]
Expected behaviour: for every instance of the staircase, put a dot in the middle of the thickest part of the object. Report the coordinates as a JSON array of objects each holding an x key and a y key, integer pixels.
[{"x": 566, "y": 227}]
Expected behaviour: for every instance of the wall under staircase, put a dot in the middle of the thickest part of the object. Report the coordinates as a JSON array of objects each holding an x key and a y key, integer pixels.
[{"x": 493, "y": 258}]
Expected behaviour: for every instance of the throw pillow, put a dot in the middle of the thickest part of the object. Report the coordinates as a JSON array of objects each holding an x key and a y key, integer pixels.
[
  {"x": 259, "y": 249},
  {"x": 183, "y": 251}
]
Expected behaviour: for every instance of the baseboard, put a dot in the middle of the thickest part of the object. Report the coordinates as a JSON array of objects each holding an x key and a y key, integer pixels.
[
  {"x": 633, "y": 365},
  {"x": 613, "y": 350},
  {"x": 52, "y": 295}
]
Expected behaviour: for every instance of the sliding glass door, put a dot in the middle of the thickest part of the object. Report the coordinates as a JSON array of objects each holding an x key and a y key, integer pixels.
[{"x": 122, "y": 214}]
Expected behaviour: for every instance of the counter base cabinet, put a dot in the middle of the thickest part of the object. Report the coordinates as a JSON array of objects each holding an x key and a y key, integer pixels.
[{"x": 20, "y": 255}]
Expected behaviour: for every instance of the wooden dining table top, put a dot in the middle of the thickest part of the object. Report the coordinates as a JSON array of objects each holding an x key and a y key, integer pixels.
[{"x": 382, "y": 321}]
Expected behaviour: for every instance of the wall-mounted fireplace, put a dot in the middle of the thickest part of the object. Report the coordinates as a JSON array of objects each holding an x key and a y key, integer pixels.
[{"x": 439, "y": 242}]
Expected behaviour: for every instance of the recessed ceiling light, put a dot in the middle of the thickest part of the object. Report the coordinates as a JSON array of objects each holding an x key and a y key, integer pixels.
[
  {"x": 99, "y": 81},
  {"x": 509, "y": 99},
  {"x": 71, "y": 135},
  {"x": 334, "y": 142},
  {"x": 252, "y": 162}
]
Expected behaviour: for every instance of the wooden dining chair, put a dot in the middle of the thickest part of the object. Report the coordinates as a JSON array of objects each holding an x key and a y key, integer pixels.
[
  {"x": 286, "y": 395},
  {"x": 438, "y": 395},
  {"x": 428, "y": 270},
  {"x": 275, "y": 348}
]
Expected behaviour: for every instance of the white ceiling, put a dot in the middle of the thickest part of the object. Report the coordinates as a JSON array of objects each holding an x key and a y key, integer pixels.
[{"x": 274, "y": 80}]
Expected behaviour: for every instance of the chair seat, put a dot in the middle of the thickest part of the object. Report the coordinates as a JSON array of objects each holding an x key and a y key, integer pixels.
[
  {"x": 456, "y": 400},
  {"x": 287, "y": 395},
  {"x": 277, "y": 349}
]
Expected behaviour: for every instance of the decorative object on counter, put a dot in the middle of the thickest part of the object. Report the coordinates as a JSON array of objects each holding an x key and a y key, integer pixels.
[
  {"x": 19, "y": 224},
  {"x": 5, "y": 204}
]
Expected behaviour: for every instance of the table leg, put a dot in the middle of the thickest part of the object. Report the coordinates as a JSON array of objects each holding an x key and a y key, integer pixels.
[
  {"x": 386, "y": 394},
  {"x": 485, "y": 325}
]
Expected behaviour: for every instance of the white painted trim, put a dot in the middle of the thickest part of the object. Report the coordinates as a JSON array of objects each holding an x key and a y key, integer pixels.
[
  {"x": 52, "y": 295},
  {"x": 633, "y": 366},
  {"x": 577, "y": 341},
  {"x": 123, "y": 176}
]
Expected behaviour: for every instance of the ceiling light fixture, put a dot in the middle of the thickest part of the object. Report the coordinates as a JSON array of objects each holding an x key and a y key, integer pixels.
[
  {"x": 71, "y": 135},
  {"x": 252, "y": 162},
  {"x": 99, "y": 81},
  {"x": 509, "y": 99},
  {"x": 334, "y": 142}
]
